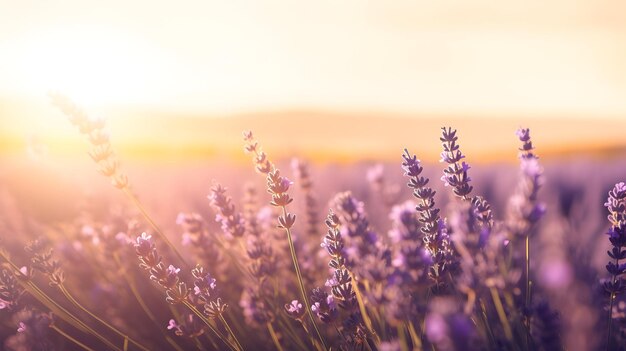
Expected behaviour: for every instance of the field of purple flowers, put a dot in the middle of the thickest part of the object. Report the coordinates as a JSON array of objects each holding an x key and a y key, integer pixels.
[{"x": 296, "y": 256}]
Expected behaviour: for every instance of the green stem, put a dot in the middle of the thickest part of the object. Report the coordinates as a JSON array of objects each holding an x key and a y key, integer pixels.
[
  {"x": 404, "y": 343},
  {"x": 608, "y": 338},
  {"x": 501, "y": 314},
  {"x": 71, "y": 338},
  {"x": 142, "y": 303},
  {"x": 485, "y": 320},
  {"x": 362, "y": 309},
  {"x": 59, "y": 310},
  {"x": 296, "y": 266},
  {"x": 306, "y": 331},
  {"x": 81, "y": 325},
  {"x": 286, "y": 326},
  {"x": 230, "y": 331},
  {"x": 270, "y": 329},
  {"x": 611, "y": 302},
  {"x": 235, "y": 322},
  {"x": 117, "y": 331},
  {"x": 415, "y": 339},
  {"x": 528, "y": 293},
  {"x": 208, "y": 324},
  {"x": 154, "y": 226}
]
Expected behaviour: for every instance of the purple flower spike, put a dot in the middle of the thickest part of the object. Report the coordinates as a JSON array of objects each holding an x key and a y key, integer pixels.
[
  {"x": 524, "y": 208},
  {"x": 455, "y": 175}
]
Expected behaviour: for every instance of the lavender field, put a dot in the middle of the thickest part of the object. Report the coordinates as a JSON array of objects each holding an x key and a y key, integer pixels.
[{"x": 292, "y": 254}]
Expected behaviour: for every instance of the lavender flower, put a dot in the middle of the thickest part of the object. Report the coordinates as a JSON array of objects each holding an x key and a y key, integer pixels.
[
  {"x": 231, "y": 220},
  {"x": 253, "y": 301},
  {"x": 324, "y": 305},
  {"x": 250, "y": 211},
  {"x": 261, "y": 162},
  {"x": 411, "y": 255},
  {"x": 616, "y": 204},
  {"x": 411, "y": 261},
  {"x": 355, "y": 223},
  {"x": 197, "y": 236},
  {"x": 302, "y": 173},
  {"x": 194, "y": 229},
  {"x": 146, "y": 251},
  {"x": 343, "y": 287},
  {"x": 616, "y": 285},
  {"x": 386, "y": 192},
  {"x": 190, "y": 327},
  {"x": 41, "y": 257},
  {"x": 455, "y": 175},
  {"x": 205, "y": 289},
  {"x": 167, "y": 277},
  {"x": 255, "y": 309},
  {"x": 278, "y": 186},
  {"x": 295, "y": 310},
  {"x": 341, "y": 282},
  {"x": 393, "y": 345},
  {"x": 10, "y": 290},
  {"x": 447, "y": 328},
  {"x": 524, "y": 208},
  {"x": 258, "y": 249},
  {"x": 433, "y": 227},
  {"x": 548, "y": 327},
  {"x": 93, "y": 128},
  {"x": 33, "y": 332}
]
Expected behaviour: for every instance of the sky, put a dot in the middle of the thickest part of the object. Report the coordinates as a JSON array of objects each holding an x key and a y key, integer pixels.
[{"x": 496, "y": 58}]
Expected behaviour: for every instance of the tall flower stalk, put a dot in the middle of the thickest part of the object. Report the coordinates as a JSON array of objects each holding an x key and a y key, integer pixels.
[
  {"x": 103, "y": 155},
  {"x": 433, "y": 227},
  {"x": 616, "y": 204},
  {"x": 303, "y": 177},
  {"x": 177, "y": 291},
  {"x": 42, "y": 260},
  {"x": 455, "y": 175},
  {"x": 278, "y": 186},
  {"x": 24, "y": 277},
  {"x": 524, "y": 208},
  {"x": 343, "y": 287}
]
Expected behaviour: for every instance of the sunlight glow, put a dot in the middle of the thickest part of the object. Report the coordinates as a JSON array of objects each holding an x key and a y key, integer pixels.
[
  {"x": 94, "y": 66},
  {"x": 229, "y": 57}
]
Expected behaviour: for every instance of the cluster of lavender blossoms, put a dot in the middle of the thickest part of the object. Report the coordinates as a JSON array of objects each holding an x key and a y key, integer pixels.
[
  {"x": 167, "y": 277},
  {"x": 403, "y": 270},
  {"x": 205, "y": 290},
  {"x": 616, "y": 284},
  {"x": 42, "y": 260},
  {"x": 524, "y": 208},
  {"x": 232, "y": 222},
  {"x": 442, "y": 256},
  {"x": 342, "y": 293},
  {"x": 455, "y": 175},
  {"x": 10, "y": 290},
  {"x": 616, "y": 204}
]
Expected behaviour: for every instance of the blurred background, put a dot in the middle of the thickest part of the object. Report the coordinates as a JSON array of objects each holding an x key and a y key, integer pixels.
[
  {"x": 327, "y": 80},
  {"x": 337, "y": 83}
]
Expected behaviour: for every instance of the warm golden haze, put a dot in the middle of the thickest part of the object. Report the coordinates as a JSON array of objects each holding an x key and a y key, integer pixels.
[
  {"x": 316, "y": 134},
  {"x": 224, "y": 57}
]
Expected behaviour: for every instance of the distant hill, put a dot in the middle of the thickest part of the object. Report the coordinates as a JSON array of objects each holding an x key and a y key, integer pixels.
[
  {"x": 318, "y": 134},
  {"x": 345, "y": 136}
]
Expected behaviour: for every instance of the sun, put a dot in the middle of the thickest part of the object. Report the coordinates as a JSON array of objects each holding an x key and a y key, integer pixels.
[{"x": 93, "y": 65}]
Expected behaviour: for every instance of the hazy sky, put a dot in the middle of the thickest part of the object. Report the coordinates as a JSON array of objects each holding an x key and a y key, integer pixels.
[{"x": 493, "y": 57}]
